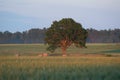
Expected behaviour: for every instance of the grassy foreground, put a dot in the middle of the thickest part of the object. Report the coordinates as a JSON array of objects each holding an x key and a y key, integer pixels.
[
  {"x": 59, "y": 68},
  {"x": 30, "y": 66}
]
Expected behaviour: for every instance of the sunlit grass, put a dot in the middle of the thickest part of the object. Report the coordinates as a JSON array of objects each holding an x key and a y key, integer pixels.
[
  {"x": 30, "y": 66},
  {"x": 59, "y": 68}
]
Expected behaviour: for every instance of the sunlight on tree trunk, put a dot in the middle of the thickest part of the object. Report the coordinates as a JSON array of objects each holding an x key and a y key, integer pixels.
[
  {"x": 64, "y": 45},
  {"x": 64, "y": 51}
]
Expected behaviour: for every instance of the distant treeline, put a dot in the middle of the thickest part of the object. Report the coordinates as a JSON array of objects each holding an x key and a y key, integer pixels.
[
  {"x": 103, "y": 36},
  {"x": 38, "y": 35}
]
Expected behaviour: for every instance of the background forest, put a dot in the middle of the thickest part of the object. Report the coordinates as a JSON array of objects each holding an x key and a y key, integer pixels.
[{"x": 37, "y": 36}]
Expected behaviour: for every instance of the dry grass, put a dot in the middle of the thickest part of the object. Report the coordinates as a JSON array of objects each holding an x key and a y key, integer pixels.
[
  {"x": 59, "y": 68},
  {"x": 97, "y": 62}
]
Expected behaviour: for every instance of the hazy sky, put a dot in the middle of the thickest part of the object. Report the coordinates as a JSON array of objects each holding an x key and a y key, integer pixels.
[{"x": 21, "y": 15}]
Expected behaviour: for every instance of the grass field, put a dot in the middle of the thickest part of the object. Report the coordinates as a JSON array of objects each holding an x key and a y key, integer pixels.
[
  {"x": 30, "y": 66},
  {"x": 35, "y": 49},
  {"x": 59, "y": 68}
]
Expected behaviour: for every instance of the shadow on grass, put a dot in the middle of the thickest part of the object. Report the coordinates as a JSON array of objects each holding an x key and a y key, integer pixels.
[{"x": 112, "y": 51}]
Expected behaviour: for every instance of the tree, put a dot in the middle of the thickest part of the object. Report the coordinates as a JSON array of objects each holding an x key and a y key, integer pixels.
[{"x": 63, "y": 33}]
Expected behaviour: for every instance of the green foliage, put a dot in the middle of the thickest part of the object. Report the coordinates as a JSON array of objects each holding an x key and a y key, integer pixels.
[{"x": 65, "y": 32}]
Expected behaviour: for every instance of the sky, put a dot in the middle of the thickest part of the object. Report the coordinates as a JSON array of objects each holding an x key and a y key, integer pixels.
[{"x": 22, "y": 15}]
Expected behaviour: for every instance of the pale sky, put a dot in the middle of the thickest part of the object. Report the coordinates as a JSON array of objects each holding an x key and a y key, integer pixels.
[{"x": 21, "y": 15}]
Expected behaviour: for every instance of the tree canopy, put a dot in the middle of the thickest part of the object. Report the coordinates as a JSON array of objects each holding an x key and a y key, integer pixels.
[{"x": 65, "y": 32}]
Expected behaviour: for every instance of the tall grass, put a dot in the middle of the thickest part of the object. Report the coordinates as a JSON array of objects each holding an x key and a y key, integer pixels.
[{"x": 34, "y": 67}]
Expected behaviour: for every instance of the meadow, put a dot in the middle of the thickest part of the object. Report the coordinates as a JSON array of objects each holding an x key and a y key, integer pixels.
[
  {"x": 36, "y": 49},
  {"x": 30, "y": 66}
]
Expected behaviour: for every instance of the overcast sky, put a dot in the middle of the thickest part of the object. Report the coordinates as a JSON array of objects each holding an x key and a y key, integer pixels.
[{"x": 21, "y": 15}]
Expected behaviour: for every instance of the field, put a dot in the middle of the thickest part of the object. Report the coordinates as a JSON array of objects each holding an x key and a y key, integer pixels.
[
  {"x": 36, "y": 49},
  {"x": 30, "y": 66}
]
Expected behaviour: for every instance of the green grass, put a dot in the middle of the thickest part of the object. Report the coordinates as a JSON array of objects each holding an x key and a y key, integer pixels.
[
  {"x": 59, "y": 68},
  {"x": 113, "y": 51},
  {"x": 35, "y": 49},
  {"x": 30, "y": 66},
  {"x": 23, "y": 49}
]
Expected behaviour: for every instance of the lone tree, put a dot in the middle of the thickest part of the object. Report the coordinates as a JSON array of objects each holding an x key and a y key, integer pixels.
[{"x": 63, "y": 33}]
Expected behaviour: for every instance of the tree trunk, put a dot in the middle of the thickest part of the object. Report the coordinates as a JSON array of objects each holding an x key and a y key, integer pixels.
[
  {"x": 64, "y": 45},
  {"x": 64, "y": 51}
]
